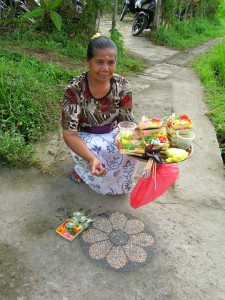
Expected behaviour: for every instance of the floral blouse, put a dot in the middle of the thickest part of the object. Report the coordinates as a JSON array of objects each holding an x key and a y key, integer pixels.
[{"x": 80, "y": 109}]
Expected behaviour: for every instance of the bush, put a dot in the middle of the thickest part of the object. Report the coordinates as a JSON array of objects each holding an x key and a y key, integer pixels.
[{"x": 14, "y": 151}]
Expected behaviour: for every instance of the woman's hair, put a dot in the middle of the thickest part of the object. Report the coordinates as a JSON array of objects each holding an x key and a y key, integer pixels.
[{"x": 99, "y": 42}]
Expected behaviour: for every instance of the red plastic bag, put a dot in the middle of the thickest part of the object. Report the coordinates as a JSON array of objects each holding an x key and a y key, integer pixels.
[{"x": 148, "y": 189}]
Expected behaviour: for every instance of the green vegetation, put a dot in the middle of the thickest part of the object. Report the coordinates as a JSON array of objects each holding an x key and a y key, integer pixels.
[
  {"x": 31, "y": 88},
  {"x": 211, "y": 70},
  {"x": 47, "y": 9},
  {"x": 186, "y": 10},
  {"x": 187, "y": 34},
  {"x": 29, "y": 104},
  {"x": 184, "y": 23}
]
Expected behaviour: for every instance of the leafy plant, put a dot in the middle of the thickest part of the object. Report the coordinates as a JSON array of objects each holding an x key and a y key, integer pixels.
[{"x": 46, "y": 10}]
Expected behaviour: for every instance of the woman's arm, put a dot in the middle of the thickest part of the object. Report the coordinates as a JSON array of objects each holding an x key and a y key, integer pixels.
[
  {"x": 125, "y": 104},
  {"x": 78, "y": 146}
]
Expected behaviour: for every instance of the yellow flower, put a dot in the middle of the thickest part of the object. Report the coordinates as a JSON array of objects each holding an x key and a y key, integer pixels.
[{"x": 96, "y": 35}]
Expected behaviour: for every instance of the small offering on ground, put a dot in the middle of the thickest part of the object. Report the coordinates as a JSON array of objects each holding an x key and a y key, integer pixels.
[{"x": 74, "y": 225}]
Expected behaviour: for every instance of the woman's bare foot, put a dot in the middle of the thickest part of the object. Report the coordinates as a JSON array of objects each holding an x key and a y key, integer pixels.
[{"x": 74, "y": 176}]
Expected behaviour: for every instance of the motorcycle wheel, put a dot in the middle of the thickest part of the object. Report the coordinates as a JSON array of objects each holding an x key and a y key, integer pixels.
[
  {"x": 79, "y": 8},
  {"x": 124, "y": 11},
  {"x": 140, "y": 23}
]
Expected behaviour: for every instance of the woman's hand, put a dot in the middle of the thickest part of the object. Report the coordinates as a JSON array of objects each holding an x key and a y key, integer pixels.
[
  {"x": 96, "y": 167},
  {"x": 78, "y": 146}
]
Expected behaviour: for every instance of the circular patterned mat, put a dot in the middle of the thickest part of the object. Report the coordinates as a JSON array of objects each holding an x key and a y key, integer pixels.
[{"x": 118, "y": 241}]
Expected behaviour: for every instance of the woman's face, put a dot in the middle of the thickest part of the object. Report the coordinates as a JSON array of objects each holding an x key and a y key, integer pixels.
[{"x": 102, "y": 65}]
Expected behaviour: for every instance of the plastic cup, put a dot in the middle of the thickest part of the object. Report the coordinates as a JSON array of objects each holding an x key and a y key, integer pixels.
[
  {"x": 126, "y": 129},
  {"x": 184, "y": 139}
]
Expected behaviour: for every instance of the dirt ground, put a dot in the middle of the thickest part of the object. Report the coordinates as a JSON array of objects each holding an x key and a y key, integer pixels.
[{"x": 188, "y": 221}]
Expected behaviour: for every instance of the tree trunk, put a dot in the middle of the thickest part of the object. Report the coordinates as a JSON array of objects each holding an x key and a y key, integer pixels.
[
  {"x": 157, "y": 14},
  {"x": 114, "y": 15}
]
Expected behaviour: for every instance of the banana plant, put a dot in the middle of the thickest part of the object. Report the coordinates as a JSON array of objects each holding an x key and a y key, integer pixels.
[{"x": 45, "y": 8}]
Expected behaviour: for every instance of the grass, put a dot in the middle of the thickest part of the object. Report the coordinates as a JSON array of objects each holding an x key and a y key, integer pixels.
[
  {"x": 31, "y": 87},
  {"x": 187, "y": 34},
  {"x": 30, "y": 93},
  {"x": 211, "y": 70}
]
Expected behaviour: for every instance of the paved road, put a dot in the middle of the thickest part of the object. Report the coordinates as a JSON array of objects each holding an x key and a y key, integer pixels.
[{"x": 188, "y": 221}]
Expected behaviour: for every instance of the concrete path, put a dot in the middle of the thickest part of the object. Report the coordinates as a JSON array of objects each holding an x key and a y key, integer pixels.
[{"x": 188, "y": 221}]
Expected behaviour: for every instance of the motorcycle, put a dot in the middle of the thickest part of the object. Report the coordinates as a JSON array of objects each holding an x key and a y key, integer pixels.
[
  {"x": 144, "y": 17},
  {"x": 128, "y": 6},
  {"x": 80, "y": 6}
]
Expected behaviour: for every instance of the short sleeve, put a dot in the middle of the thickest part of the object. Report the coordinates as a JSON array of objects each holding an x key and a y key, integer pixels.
[
  {"x": 125, "y": 104},
  {"x": 70, "y": 109}
]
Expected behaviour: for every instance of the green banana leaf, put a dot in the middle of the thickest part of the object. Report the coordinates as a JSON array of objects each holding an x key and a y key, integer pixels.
[
  {"x": 54, "y": 4},
  {"x": 56, "y": 19},
  {"x": 34, "y": 13}
]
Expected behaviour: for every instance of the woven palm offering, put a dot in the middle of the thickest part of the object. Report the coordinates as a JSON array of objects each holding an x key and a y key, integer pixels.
[
  {"x": 145, "y": 142},
  {"x": 174, "y": 123},
  {"x": 156, "y": 142}
]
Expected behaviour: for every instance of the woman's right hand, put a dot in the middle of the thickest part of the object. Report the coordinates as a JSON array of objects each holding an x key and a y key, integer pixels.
[
  {"x": 96, "y": 167},
  {"x": 78, "y": 146}
]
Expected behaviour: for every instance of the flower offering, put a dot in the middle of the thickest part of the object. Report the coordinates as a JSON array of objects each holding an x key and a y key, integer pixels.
[
  {"x": 147, "y": 123},
  {"x": 177, "y": 122},
  {"x": 147, "y": 141},
  {"x": 74, "y": 225}
]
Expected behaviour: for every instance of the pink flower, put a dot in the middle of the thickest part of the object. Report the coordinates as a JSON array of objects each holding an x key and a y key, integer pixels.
[{"x": 68, "y": 235}]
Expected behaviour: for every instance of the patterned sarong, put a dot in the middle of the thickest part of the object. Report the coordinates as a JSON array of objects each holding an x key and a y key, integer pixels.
[{"x": 120, "y": 168}]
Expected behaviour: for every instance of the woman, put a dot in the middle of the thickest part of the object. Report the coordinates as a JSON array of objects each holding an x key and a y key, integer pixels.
[{"x": 94, "y": 103}]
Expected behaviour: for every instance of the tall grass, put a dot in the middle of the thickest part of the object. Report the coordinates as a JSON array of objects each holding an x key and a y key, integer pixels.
[
  {"x": 221, "y": 63},
  {"x": 211, "y": 70},
  {"x": 30, "y": 95},
  {"x": 56, "y": 42},
  {"x": 186, "y": 34}
]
